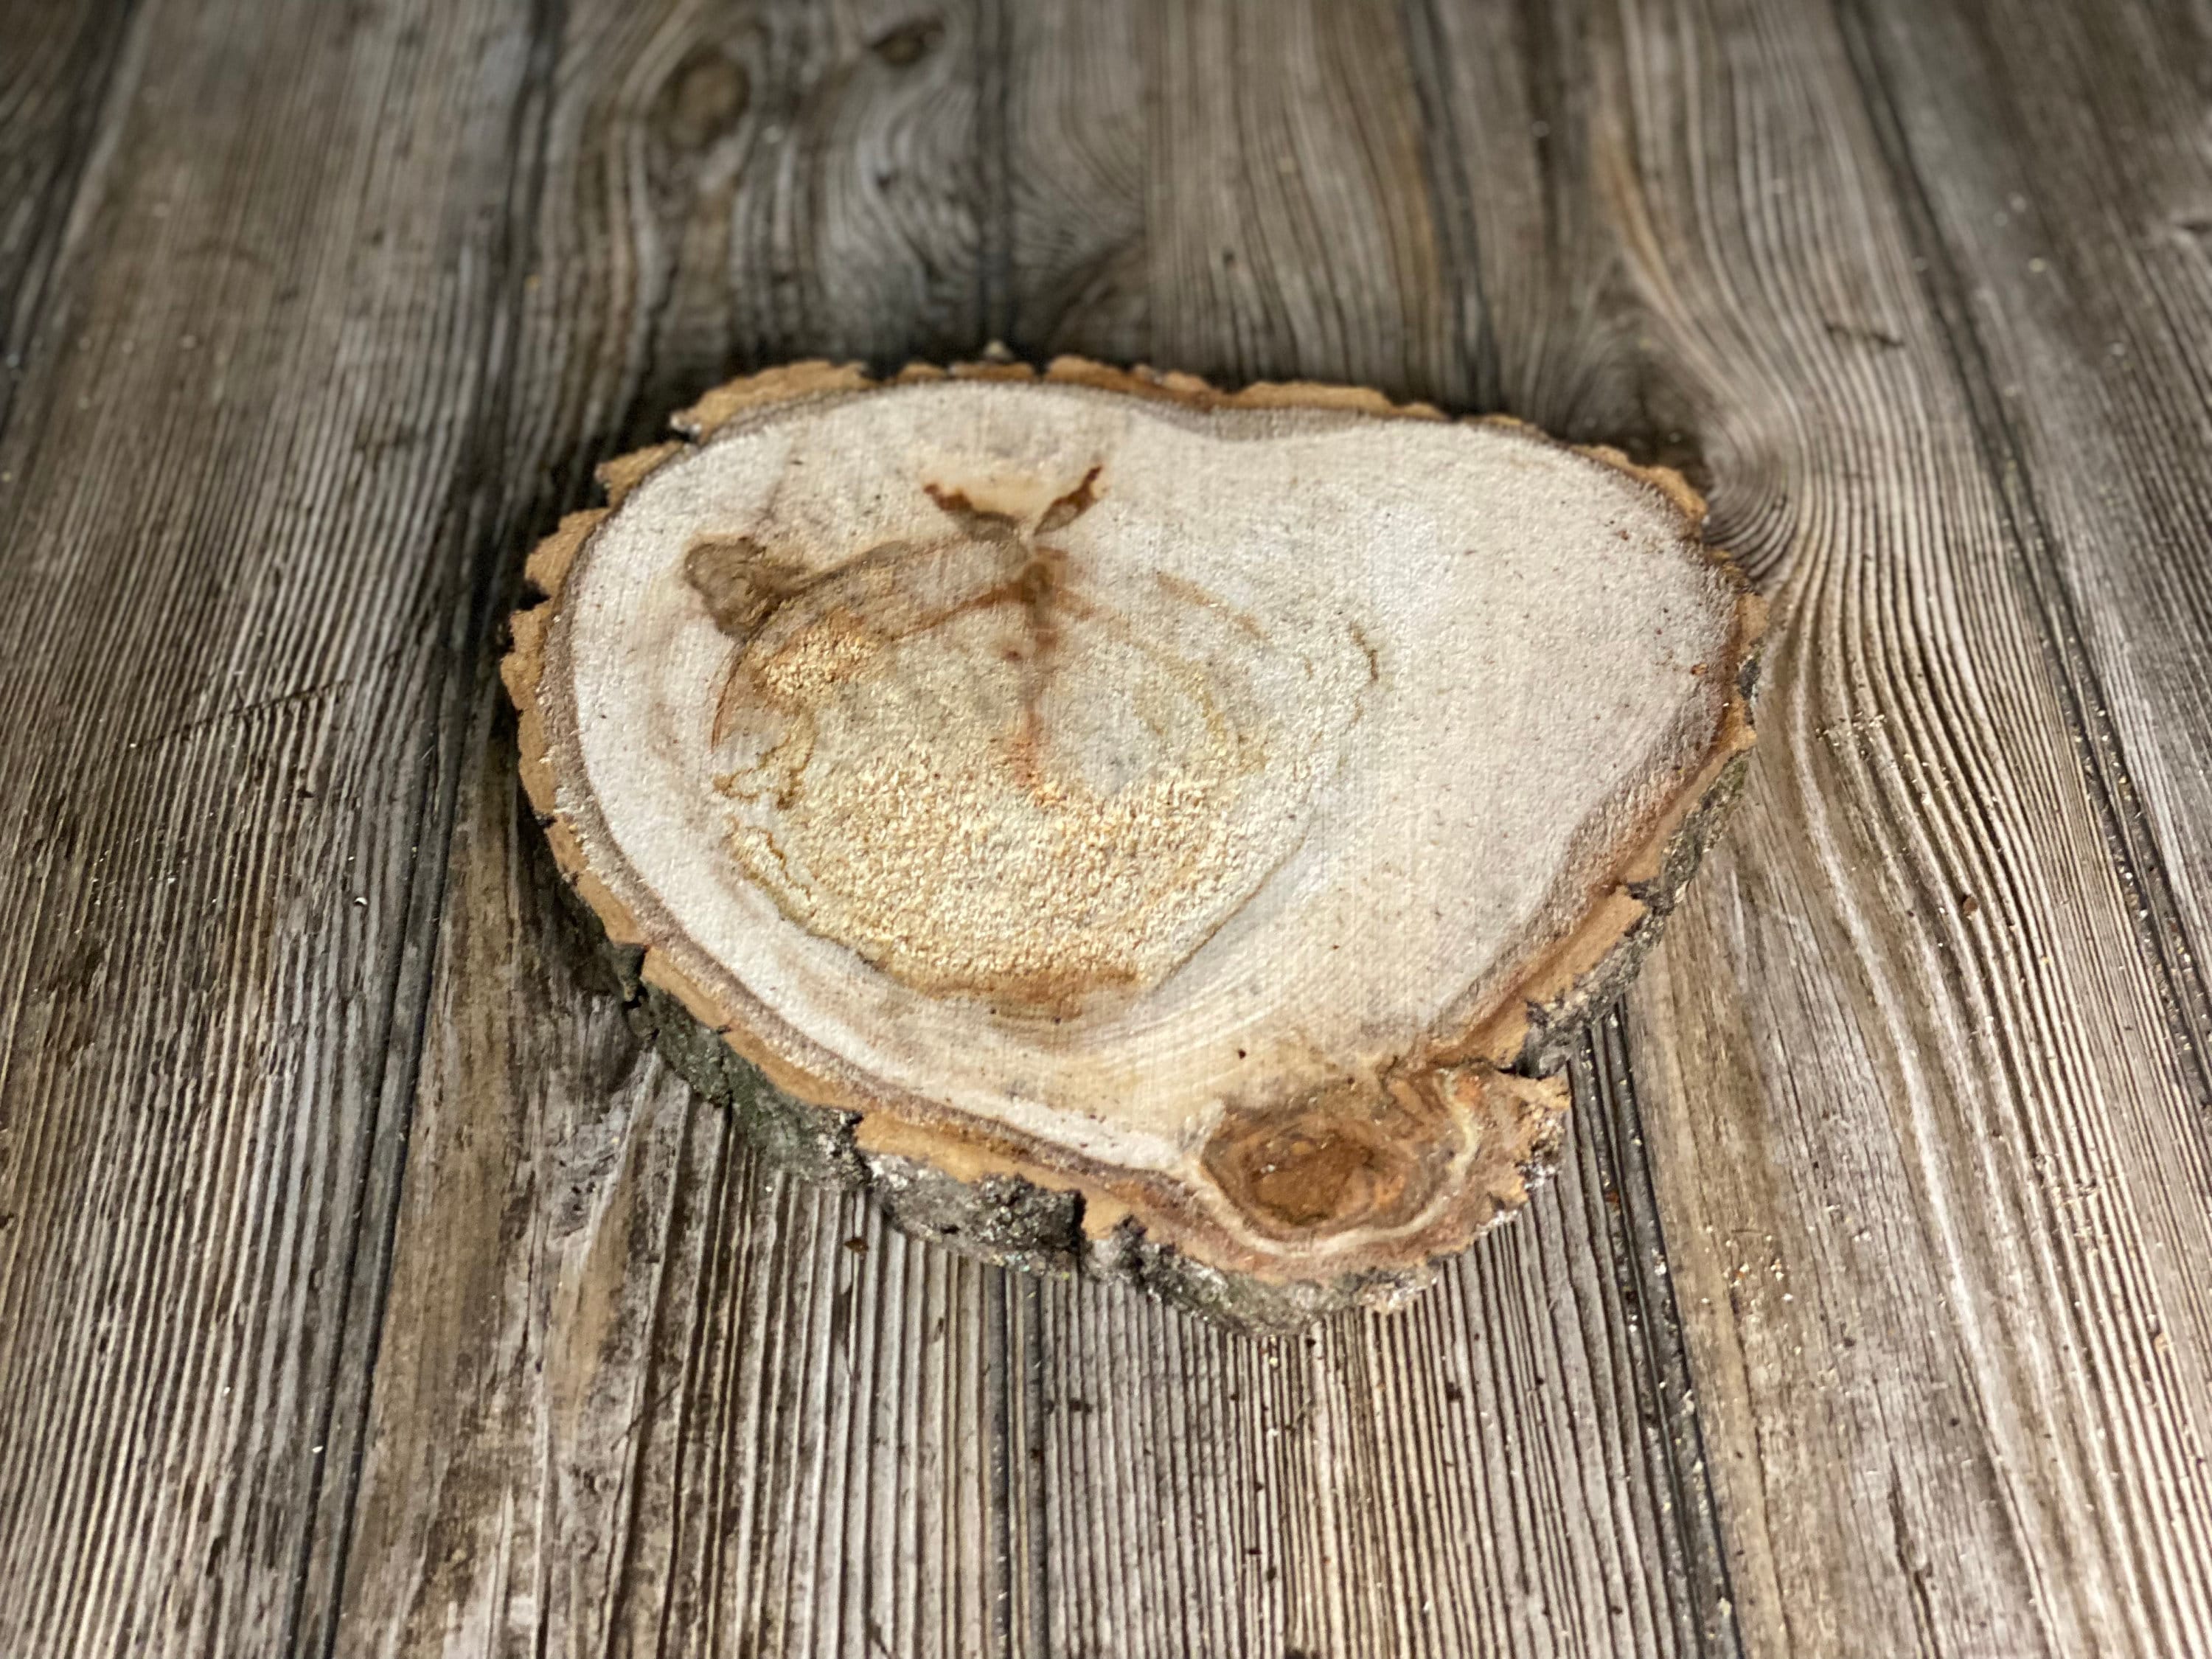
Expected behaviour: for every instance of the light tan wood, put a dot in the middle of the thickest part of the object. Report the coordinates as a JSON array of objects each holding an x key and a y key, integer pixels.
[{"x": 1112, "y": 783}]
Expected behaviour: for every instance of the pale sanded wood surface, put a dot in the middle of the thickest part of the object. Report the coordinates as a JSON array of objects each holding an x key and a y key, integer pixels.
[
  {"x": 364, "y": 1287},
  {"x": 1156, "y": 824}
]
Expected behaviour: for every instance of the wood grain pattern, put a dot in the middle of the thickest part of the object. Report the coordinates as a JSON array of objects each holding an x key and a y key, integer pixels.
[
  {"x": 1248, "y": 248},
  {"x": 61, "y": 59},
  {"x": 238, "y": 557},
  {"x": 1948, "y": 1233},
  {"x": 973, "y": 1384},
  {"x": 2063, "y": 184},
  {"x": 713, "y": 1416},
  {"x": 364, "y": 1288},
  {"x": 1512, "y": 1467},
  {"x": 636, "y": 1392}
]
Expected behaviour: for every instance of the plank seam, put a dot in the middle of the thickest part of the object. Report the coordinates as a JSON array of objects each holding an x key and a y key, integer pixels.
[{"x": 1614, "y": 1120}]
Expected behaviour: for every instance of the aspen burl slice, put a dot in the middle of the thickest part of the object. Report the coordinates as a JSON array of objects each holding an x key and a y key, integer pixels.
[{"x": 1136, "y": 829}]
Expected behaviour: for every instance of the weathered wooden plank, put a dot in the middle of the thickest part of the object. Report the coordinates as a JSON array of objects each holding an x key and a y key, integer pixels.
[
  {"x": 2090, "y": 361},
  {"x": 1237, "y": 192},
  {"x": 239, "y": 546},
  {"x": 62, "y": 57},
  {"x": 1247, "y": 191},
  {"x": 652, "y": 1396},
  {"x": 1511, "y": 1466},
  {"x": 1901, "y": 1046},
  {"x": 743, "y": 1378},
  {"x": 1286, "y": 224},
  {"x": 1929, "y": 1168},
  {"x": 2066, "y": 185},
  {"x": 636, "y": 1390},
  {"x": 727, "y": 184},
  {"x": 1076, "y": 117}
]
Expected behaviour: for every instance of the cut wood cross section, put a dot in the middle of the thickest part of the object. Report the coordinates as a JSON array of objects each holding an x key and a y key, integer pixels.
[{"x": 1137, "y": 828}]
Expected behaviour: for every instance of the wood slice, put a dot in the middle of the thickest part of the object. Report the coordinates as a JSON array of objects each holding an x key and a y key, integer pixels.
[{"x": 1137, "y": 828}]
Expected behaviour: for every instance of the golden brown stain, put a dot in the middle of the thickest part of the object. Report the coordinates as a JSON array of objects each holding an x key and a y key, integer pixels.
[
  {"x": 1191, "y": 593},
  {"x": 1034, "y": 588},
  {"x": 1366, "y": 1152},
  {"x": 1314, "y": 1177},
  {"x": 1378, "y": 1155},
  {"x": 899, "y": 783}
]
